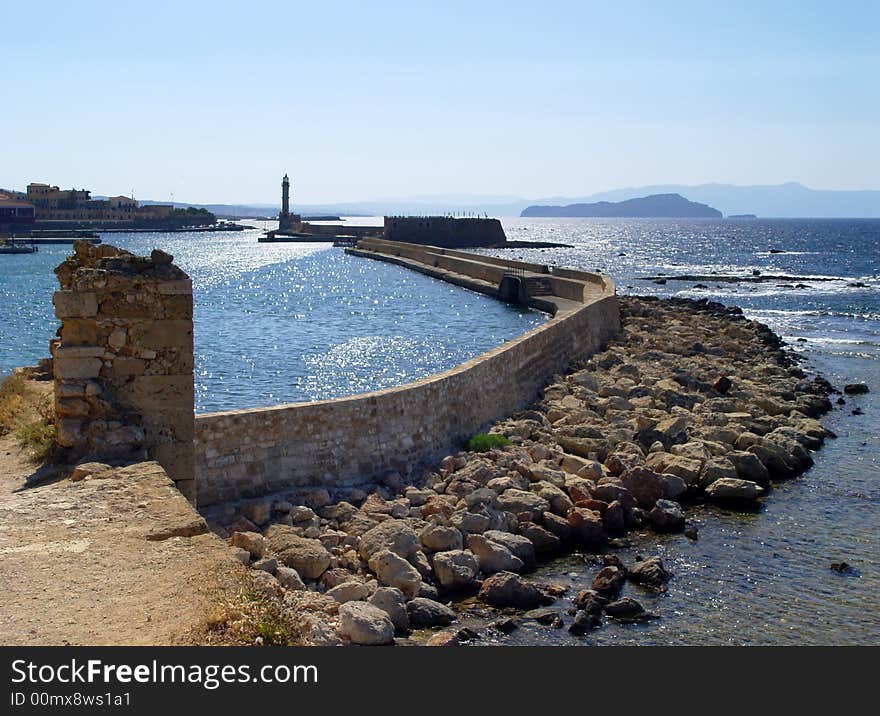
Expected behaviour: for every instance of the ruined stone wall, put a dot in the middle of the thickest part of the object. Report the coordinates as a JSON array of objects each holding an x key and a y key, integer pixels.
[
  {"x": 123, "y": 360},
  {"x": 355, "y": 440}
]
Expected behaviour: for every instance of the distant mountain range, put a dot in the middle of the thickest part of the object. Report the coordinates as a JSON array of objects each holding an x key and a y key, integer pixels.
[
  {"x": 780, "y": 200},
  {"x": 653, "y": 206}
]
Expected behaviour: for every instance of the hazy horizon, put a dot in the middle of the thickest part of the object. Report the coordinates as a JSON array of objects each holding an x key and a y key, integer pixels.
[{"x": 370, "y": 103}]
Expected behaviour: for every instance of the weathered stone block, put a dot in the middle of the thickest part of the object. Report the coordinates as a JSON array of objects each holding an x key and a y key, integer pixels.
[
  {"x": 69, "y": 390},
  {"x": 129, "y": 366},
  {"x": 72, "y": 407},
  {"x": 79, "y": 332},
  {"x": 169, "y": 288},
  {"x": 77, "y": 368},
  {"x": 64, "y": 352},
  {"x": 168, "y": 334},
  {"x": 70, "y": 304},
  {"x": 69, "y": 432}
]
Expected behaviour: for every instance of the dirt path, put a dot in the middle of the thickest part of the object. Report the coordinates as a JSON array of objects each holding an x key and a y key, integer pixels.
[{"x": 97, "y": 561}]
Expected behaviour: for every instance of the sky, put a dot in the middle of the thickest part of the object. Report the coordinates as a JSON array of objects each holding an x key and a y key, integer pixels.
[{"x": 214, "y": 101}]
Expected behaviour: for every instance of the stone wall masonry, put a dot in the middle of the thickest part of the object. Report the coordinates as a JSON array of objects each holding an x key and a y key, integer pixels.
[
  {"x": 355, "y": 440},
  {"x": 123, "y": 360}
]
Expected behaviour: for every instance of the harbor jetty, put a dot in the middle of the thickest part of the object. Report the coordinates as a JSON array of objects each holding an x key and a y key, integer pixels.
[
  {"x": 711, "y": 408},
  {"x": 442, "y": 231}
]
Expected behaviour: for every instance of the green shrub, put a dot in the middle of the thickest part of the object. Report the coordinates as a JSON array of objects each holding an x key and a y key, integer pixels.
[
  {"x": 484, "y": 442},
  {"x": 38, "y": 438},
  {"x": 12, "y": 402},
  {"x": 249, "y": 618}
]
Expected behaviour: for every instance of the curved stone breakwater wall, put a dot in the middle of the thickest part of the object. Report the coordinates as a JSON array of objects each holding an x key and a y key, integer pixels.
[{"x": 356, "y": 440}]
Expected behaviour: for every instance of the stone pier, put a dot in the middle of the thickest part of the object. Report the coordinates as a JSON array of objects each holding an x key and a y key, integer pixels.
[{"x": 123, "y": 360}]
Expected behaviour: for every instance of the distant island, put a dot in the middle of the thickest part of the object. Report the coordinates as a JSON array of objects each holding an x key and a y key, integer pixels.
[
  {"x": 656, "y": 206},
  {"x": 743, "y": 216}
]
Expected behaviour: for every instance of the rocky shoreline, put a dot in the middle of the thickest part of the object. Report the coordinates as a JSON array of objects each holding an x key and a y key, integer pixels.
[{"x": 690, "y": 402}]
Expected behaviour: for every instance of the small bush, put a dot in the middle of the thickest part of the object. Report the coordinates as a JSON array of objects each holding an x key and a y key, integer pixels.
[
  {"x": 38, "y": 438},
  {"x": 29, "y": 417},
  {"x": 248, "y": 618},
  {"x": 12, "y": 402},
  {"x": 484, "y": 442}
]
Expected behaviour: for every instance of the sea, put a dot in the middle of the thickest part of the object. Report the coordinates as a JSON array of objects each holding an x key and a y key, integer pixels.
[{"x": 278, "y": 323}]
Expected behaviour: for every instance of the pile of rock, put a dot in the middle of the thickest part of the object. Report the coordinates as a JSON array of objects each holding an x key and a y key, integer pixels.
[{"x": 692, "y": 401}]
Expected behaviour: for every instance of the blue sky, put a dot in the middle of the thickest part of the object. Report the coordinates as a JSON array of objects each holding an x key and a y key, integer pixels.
[{"x": 213, "y": 101}]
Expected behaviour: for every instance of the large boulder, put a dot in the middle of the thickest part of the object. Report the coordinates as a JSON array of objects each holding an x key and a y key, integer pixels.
[
  {"x": 628, "y": 609},
  {"x": 349, "y": 592},
  {"x": 365, "y": 624},
  {"x": 645, "y": 486},
  {"x": 520, "y": 502},
  {"x": 666, "y": 516},
  {"x": 424, "y": 613},
  {"x": 779, "y": 464},
  {"x": 391, "y": 601},
  {"x": 717, "y": 468},
  {"x": 749, "y": 467},
  {"x": 671, "y": 427},
  {"x": 611, "y": 491},
  {"x": 685, "y": 467},
  {"x": 614, "y": 518},
  {"x": 440, "y": 538},
  {"x": 394, "y": 535},
  {"x": 609, "y": 581},
  {"x": 253, "y": 542},
  {"x": 394, "y": 571},
  {"x": 456, "y": 569},
  {"x": 289, "y": 578},
  {"x": 556, "y": 525},
  {"x": 470, "y": 522},
  {"x": 734, "y": 489},
  {"x": 586, "y": 525},
  {"x": 507, "y": 589},
  {"x": 649, "y": 572},
  {"x": 673, "y": 486},
  {"x": 519, "y": 546},
  {"x": 559, "y": 502},
  {"x": 493, "y": 557},
  {"x": 544, "y": 540},
  {"x": 307, "y": 556}
]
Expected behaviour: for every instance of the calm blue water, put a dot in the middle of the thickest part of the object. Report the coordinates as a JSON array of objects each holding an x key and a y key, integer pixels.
[
  {"x": 277, "y": 323},
  {"x": 280, "y": 322}
]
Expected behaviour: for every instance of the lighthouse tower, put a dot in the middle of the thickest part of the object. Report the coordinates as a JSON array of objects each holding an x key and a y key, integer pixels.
[
  {"x": 285, "y": 198},
  {"x": 287, "y": 222}
]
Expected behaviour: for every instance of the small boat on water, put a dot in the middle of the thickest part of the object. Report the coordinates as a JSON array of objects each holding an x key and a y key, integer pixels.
[{"x": 9, "y": 246}]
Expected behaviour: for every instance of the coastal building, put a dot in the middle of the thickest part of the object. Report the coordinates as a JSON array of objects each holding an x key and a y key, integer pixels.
[
  {"x": 53, "y": 208},
  {"x": 15, "y": 214},
  {"x": 46, "y": 197}
]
